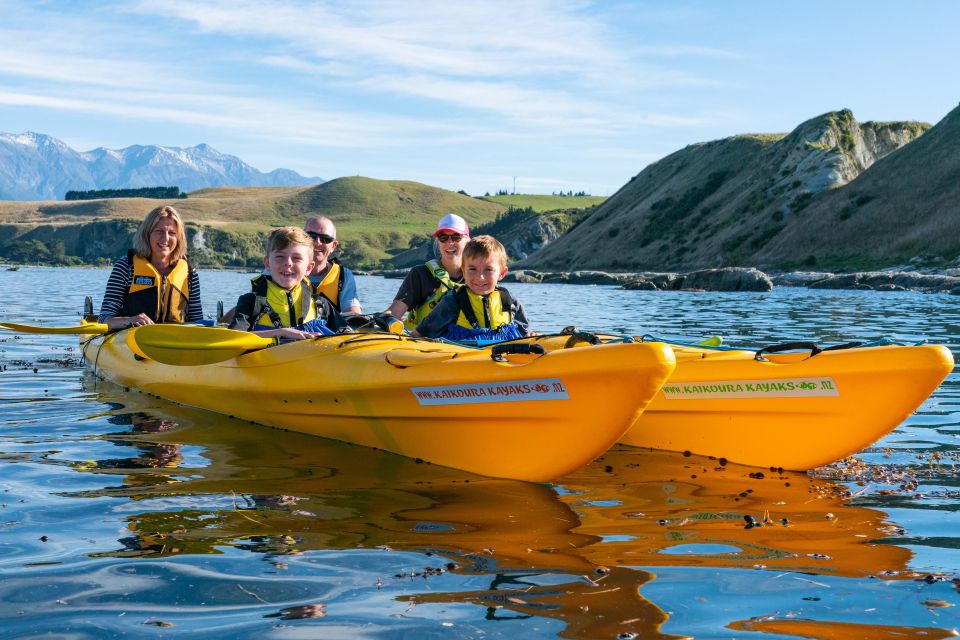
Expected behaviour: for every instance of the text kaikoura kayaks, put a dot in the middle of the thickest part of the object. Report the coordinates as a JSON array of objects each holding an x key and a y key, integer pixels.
[
  {"x": 797, "y": 410},
  {"x": 528, "y": 416}
]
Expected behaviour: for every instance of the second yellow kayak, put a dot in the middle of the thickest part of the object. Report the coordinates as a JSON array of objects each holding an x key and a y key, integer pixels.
[{"x": 793, "y": 411}]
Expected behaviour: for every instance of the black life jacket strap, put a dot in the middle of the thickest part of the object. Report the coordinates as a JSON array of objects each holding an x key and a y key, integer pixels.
[
  {"x": 463, "y": 301},
  {"x": 339, "y": 275},
  {"x": 506, "y": 302},
  {"x": 306, "y": 299}
]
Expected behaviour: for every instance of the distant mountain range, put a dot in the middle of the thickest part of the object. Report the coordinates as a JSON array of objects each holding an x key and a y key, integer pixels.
[{"x": 34, "y": 166}]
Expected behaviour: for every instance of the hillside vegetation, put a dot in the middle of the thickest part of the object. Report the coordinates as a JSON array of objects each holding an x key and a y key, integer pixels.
[
  {"x": 544, "y": 202},
  {"x": 522, "y": 231},
  {"x": 226, "y": 225},
  {"x": 751, "y": 199}
]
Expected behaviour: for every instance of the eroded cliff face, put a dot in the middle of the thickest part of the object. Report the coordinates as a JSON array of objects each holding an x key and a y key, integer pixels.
[
  {"x": 833, "y": 149},
  {"x": 720, "y": 203},
  {"x": 533, "y": 235},
  {"x": 903, "y": 209}
]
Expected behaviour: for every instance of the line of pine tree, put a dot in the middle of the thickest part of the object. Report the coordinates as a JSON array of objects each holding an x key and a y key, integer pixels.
[{"x": 165, "y": 193}]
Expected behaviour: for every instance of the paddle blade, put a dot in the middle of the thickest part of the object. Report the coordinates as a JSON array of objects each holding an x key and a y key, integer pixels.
[
  {"x": 186, "y": 345},
  {"x": 712, "y": 341},
  {"x": 88, "y": 328}
]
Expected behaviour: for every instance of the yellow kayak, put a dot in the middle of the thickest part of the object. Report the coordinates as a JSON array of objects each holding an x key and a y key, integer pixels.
[
  {"x": 527, "y": 417},
  {"x": 796, "y": 411}
]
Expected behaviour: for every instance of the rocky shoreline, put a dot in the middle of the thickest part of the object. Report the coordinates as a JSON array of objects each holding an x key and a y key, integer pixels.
[{"x": 742, "y": 279}]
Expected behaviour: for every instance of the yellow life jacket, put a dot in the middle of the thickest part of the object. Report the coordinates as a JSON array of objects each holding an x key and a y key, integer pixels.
[
  {"x": 483, "y": 312},
  {"x": 276, "y": 307},
  {"x": 162, "y": 298},
  {"x": 444, "y": 283},
  {"x": 331, "y": 284},
  {"x": 483, "y": 318}
]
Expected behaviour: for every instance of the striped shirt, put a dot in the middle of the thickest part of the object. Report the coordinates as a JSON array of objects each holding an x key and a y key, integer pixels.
[{"x": 119, "y": 284}]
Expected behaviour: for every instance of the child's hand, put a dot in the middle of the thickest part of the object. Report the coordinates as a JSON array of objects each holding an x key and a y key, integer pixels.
[
  {"x": 293, "y": 334},
  {"x": 285, "y": 332}
]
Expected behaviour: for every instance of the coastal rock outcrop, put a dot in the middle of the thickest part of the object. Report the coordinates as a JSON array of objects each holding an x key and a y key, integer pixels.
[
  {"x": 728, "y": 279},
  {"x": 723, "y": 279},
  {"x": 889, "y": 281}
]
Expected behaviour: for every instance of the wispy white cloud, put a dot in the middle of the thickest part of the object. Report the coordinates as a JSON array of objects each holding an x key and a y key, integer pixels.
[
  {"x": 679, "y": 51},
  {"x": 529, "y": 63},
  {"x": 482, "y": 38},
  {"x": 286, "y": 124},
  {"x": 74, "y": 68}
]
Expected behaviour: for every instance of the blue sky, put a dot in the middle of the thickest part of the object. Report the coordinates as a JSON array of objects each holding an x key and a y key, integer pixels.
[{"x": 465, "y": 95}]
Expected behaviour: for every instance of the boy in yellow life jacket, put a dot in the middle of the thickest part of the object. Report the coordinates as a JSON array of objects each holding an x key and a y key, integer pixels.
[
  {"x": 281, "y": 304},
  {"x": 481, "y": 310}
]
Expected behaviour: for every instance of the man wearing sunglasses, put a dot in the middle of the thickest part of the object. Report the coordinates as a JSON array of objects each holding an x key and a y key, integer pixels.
[
  {"x": 426, "y": 283},
  {"x": 330, "y": 279}
]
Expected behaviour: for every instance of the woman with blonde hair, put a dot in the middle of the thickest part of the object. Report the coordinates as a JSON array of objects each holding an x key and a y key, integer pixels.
[{"x": 153, "y": 283}]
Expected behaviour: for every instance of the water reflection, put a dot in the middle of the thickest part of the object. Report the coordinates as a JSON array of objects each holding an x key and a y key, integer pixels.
[
  {"x": 178, "y": 517},
  {"x": 655, "y": 508},
  {"x": 818, "y": 630},
  {"x": 575, "y": 552},
  {"x": 150, "y": 454}
]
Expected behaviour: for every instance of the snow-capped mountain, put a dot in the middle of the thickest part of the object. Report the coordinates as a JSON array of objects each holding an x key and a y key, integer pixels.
[{"x": 34, "y": 166}]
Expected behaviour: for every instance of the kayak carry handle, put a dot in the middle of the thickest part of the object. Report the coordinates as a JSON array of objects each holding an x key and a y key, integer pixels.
[
  {"x": 845, "y": 345},
  {"x": 373, "y": 322},
  {"x": 581, "y": 336},
  {"x": 787, "y": 346},
  {"x": 500, "y": 351},
  {"x": 577, "y": 336},
  {"x": 358, "y": 320}
]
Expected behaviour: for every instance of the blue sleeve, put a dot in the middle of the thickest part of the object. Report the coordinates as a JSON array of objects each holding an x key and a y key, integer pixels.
[
  {"x": 116, "y": 292},
  {"x": 443, "y": 315},
  {"x": 348, "y": 296},
  {"x": 520, "y": 317}
]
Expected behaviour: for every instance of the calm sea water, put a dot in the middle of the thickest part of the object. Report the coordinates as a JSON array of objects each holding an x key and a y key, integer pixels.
[{"x": 125, "y": 515}]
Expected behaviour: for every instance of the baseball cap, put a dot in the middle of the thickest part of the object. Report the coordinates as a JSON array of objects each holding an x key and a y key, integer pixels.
[{"x": 452, "y": 223}]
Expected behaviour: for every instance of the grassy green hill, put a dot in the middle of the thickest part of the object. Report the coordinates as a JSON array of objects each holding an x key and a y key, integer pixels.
[
  {"x": 375, "y": 219},
  {"x": 545, "y": 203}
]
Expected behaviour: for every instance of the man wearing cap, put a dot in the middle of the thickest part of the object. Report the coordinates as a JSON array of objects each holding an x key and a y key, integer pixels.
[
  {"x": 329, "y": 278},
  {"x": 426, "y": 283}
]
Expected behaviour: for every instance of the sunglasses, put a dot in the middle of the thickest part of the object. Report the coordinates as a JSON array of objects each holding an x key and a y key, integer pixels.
[
  {"x": 322, "y": 237},
  {"x": 452, "y": 237}
]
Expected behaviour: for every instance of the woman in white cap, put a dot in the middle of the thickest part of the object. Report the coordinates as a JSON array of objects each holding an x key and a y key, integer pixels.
[{"x": 426, "y": 283}]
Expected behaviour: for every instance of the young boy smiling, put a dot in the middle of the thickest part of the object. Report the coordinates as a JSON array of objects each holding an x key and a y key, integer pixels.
[
  {"x": 281, "y": 303},
  {"x": 482, "y": 310}
]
